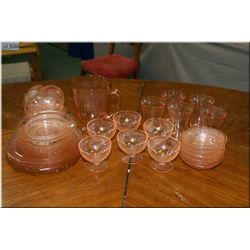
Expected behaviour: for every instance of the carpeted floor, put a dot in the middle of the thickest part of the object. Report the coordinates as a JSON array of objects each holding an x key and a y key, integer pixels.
[{"x": 55, "y": 62}]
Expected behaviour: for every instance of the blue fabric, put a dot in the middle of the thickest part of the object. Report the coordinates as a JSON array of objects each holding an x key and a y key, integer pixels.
[{"x": 82, "y": 50}]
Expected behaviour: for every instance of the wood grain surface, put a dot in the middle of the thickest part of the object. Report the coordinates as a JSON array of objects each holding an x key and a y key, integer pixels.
[{"x": 224, "y": 186}]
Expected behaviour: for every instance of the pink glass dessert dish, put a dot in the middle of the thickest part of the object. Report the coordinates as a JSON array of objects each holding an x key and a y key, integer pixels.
[
  {"x": 94, "y": 98},
  {"x": 213, "y": 117},
  {"x": 95, "y": 149},
  {"x": 199, "y": 102},
  {"x": 132, "y": 142},
  {"x": 127, "y": 119},
  {"x": 163, "y": 150},
  {"x": 180, "y": 113},
  {"x": 152, "y": 107},
  {"x": 44, "y": 143},
  {"x": 158, "y": 126},
  {"x": 102, "y": 126},
  {"x": 43, "y": 98},
  {"x": 202, "y": 148}
]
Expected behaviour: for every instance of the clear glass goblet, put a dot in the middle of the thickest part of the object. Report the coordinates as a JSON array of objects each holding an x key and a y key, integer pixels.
[
  {"x": 102, "y": 126},
  {"x": 132, "y": 142},
  {"x": 163, "y": 150},
  {"x": 127, "y": 119},
  {"x": 95, "y": 149},
  {"x": 158, "y": 126}
]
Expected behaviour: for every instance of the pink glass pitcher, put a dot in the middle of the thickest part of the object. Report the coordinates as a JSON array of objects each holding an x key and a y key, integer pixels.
[{"x": 94, "y": 97}]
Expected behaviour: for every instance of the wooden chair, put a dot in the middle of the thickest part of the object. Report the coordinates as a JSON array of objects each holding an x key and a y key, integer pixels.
[
  {"x": 114, "y": 65},
  {"x": 32, "y": 51}
]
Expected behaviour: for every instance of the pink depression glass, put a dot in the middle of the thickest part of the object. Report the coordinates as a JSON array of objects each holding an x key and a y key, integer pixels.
[
  {"x": 199, "y": 101},
  {"x": 102, "y": 126},
  {"x": 152, "y": 107},
  {"x": 173, "y": 95},
  {"x": 202, "y": 148},
  {"x": 127, "y": 119},
  {"x": 213, "y": 117},
  {"x": 94, "y": 98},
  {"x": 132, "y": 142},
  {"x": 180, "y": 113},
  {"x": 43, "y": 98},
  {"x": 163, "y": 150},
  {"x": 45, "y": 142},
  {"x": 158, "y": 126},
  {"x": 95, "y": 149}
]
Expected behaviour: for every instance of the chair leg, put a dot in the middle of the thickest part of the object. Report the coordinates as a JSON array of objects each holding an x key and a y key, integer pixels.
[{"x": 83, "y": 72}]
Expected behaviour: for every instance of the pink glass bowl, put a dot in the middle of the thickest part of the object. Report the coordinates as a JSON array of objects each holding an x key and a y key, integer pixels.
[
  {"x": 102, "y": 126},
  {"x": 202, "y": 148},
  {"x": 43, "y": 98},
  {"x": 158, "y": 126},
  {"x": 41, "y": 143}
]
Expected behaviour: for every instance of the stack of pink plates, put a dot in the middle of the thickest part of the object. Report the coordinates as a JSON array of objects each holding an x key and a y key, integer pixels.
[
  {"x": 202, "y": 148},
  {"x": 45, "y": 142}
]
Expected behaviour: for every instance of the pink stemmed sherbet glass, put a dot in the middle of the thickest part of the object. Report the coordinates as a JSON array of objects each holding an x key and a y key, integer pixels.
[
  {"x": 95, "y": 149},
  {"x": 163, "y": 150},
  {"x": 158, "y": 126},
  {"x": 127, "y": 119},
  {"x": 102, "y": 126},
  {"x": 132, "y": 142}
]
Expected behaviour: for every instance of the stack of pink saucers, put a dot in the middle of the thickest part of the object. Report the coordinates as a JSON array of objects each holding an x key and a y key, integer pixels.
[{"x": 202, "y": 148}]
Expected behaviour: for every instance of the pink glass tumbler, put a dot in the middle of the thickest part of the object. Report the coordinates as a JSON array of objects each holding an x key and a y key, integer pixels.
[
  {"x": 199, "y": 101},
  {"x": 213, "y": 117},
  {"x": 152, "y": 107},
  {"x": 180, "y": 114}
]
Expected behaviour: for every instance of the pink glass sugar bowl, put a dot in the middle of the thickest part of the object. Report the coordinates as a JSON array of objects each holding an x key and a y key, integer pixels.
[
  {"x": 46, "y": 142},
  {"x": 43, "y": 98},
  {"x": 202, "y": 148}
]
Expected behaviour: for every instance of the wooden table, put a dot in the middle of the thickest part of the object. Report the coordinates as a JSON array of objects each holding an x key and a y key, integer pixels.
[{"x": 224, "y": 186}]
